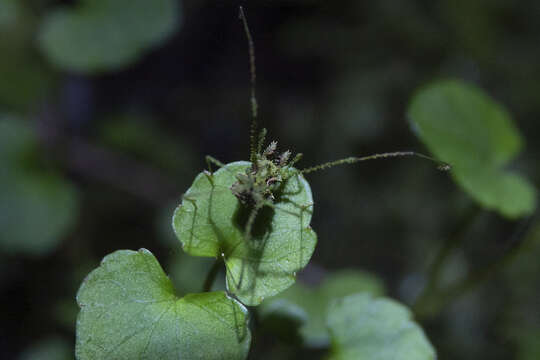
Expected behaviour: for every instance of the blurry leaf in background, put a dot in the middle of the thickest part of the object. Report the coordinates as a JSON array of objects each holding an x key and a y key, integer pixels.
[
  {"x": 464, "y": 127},
  {"x": 54, "y": 348},
  {"x": 363, "y": 328},
  {"x": 37, "y": 206},
  {"x": 24, "y": 76},
  {"x": 529, "y": 345},
  {"x": 309, "y": 305},
  {"x": 211, "y": 221},
  {"x": 101, "y": 35},
  {"x": 129, "y": 310}
]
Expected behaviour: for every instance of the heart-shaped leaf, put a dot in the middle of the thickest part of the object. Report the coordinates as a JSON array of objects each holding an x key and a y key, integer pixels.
[
  {"x": 363, "y": 328},
  {"x": 101, "y": 35},
  {"x": 211, "y": 222},
  {"x": 464, "y": 127},
  {"x": 314, "y": 302},
  {"x": 129, "y": 311}
]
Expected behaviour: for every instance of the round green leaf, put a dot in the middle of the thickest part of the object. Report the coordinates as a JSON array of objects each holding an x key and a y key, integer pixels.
[
  {"x": 129, "y": 311},
  {"x": 314, "y": 302},
  {"x": 36, "y": 212},
  {"x": 363, "y": 328},
  {"x": 464, "y": 127},
  {"x": 211, "y": 222},
  {"x": 101, "y": 35}
]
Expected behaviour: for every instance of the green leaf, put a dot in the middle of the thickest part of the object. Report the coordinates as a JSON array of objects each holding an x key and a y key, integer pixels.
[
  {"x": 363, "y": 328},
  {"x": 313, "y": 303},
  {"x": 464, "y": 127},
  {"x": 100, "y": 35},
  {"x": 211, "y": 221},
  {"x": 36, "y": 207},
  {"x": 129, "y": 311}
]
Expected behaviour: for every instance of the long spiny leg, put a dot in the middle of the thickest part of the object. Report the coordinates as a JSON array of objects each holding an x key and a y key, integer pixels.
[
  {"x": 212, "y": 160},
  {"x": 351, "y": 160},
  {"x": 253, "y": 73},
  {"x": 289, "y": 212},
  {"x": 260, "y": 144}
]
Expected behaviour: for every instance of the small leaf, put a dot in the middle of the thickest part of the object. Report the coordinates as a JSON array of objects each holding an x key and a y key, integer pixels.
[
  {"x": 363, "y": 328},
  {"x": 314, "y": 303},
  {"x": 129, "y": 311},
  {"x": 476, "y": 135},
  {"x": 211, "y": 221},
  {"x": 100, "y": 35}
]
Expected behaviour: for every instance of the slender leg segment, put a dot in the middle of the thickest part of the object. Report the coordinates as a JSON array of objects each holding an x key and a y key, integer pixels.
[
  {"x": 212, "y": 160},
  {"x": 351, "y": 160}
]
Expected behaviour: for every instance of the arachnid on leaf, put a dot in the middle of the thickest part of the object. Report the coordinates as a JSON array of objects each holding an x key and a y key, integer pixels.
[{"x": 264, "y": 177}]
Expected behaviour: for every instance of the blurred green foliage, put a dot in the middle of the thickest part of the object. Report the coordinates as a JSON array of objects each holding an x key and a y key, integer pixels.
[
  {"x": 54, "y": 348},
  {"x": 312, "y": 303},
  {"x": 106, "y": 34},
  {"x": 25, "y": 78},
  {"x": 37, "y": 205},
  {"x": 114, "y": 103},
  {"x": 360, "y": 328},
  {"x": 465, "y": 128}
]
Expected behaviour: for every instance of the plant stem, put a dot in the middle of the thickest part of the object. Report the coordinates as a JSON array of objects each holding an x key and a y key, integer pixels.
[
  {"x": 211, "y": 277},
  {"x": 517, "y": 243},
  {"x": 454, "y": 241}
]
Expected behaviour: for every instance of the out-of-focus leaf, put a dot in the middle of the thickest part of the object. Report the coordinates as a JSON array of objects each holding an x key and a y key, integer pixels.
[
  {"x": 313, "y": 303},
  {"x": 36, "y": 207},
  {"x": 211, "y": 221},
  {"x": 100, "y": 35},
  {"x": 54, "y": 348},
  {"x": 129, "y": 311},
  {"x": 35, "y": 211},
  {"x": 464, "y": 127},
  {"x": 528, "y": 345},
  {"x": 363, "y": 328},
  {"x": 10, "y": 11}
]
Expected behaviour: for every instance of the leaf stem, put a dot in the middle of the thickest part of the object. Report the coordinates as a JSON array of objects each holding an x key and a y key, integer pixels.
[
  {"x": 454, "y": 241},
  {"x": 253, "y": 80},
  {"x": 518, "y": 242},
  {"x": 353, "y": 159}
]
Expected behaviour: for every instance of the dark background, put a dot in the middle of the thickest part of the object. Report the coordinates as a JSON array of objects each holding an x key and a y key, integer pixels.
[{"x": 334, "y": 80}]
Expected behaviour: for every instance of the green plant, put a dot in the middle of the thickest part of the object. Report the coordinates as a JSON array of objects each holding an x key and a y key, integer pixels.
[{"x": 254, "y": 218}]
